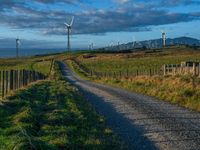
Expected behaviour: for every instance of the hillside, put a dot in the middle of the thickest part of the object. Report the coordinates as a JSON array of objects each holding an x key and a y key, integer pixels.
[{"x": 155, "y": 43}]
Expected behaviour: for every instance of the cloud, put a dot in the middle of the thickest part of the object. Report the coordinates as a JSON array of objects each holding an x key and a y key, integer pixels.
[
  {"x": 179, "y": 2},
  {"x": 131, "y": 16},
  {"x": 121, "y": 1},
  {"x": 59, "y": 1}
]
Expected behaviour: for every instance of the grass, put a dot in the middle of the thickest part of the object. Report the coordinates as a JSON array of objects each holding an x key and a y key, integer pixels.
[
  {"x": 183, "y": 90},
  {"x": 172, "y": 89},
  {"x": 110, "y": 63},
  {"x": 40, "y": 64},
  {"x": 53, "y": 115}
]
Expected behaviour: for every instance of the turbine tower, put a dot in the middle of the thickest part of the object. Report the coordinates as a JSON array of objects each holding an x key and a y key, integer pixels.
[
  {"x": 17, "y": 47},
  {"x": 164, "y": 38},
  {"x": 69, "y": 28}
]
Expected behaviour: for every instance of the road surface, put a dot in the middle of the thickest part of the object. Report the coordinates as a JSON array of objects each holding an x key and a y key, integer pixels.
[{"x": 142, "y": 122}]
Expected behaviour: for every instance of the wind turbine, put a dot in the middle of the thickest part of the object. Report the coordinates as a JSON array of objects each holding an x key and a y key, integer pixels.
[
  {"x": 17, "y": 47},
  {"x": 163, "y": 38},
  {"x": 134, "y": 40},
  {"x": 69, "y": 29},
  {"x": 91, "y": 46}
]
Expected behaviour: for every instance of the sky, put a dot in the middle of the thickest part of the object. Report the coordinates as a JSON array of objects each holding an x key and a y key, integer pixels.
[{"x": 40, "y": 23}]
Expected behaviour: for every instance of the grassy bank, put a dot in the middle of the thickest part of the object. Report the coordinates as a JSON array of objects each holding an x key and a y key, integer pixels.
[
  {"x": 183, "y": 90},
  {"x": 52, "y": 115}
]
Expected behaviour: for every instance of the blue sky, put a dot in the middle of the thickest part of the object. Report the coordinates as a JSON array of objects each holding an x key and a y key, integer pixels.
[{"x": 39, "y": 23}]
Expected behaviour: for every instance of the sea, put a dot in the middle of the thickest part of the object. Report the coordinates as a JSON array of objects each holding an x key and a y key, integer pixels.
[{"x": 11, "y": 52}]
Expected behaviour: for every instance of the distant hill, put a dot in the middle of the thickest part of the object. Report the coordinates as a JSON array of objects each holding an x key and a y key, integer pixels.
[
  {"x": 184, "y": 40},
  {"x": 155, "y": 43}
]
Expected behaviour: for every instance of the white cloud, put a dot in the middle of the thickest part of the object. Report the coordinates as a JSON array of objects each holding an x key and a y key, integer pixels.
[{"x": 121, "y": 1}]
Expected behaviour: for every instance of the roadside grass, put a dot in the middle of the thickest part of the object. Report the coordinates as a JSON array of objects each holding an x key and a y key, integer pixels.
[
  {"x": 78, "y": 70},
  {"x": 183, "y": 90},
  {"x": 53, "y": 115},
  {"x": 172, "y": 89}
]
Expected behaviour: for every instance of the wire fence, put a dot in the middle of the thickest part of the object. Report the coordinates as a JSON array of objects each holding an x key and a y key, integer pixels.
[
  {"x": 120, "y": 74},
  {"x": 11, "y": 80}
]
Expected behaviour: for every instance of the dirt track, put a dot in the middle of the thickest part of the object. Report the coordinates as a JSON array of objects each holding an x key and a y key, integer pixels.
[{"x": 141, "y": 121}]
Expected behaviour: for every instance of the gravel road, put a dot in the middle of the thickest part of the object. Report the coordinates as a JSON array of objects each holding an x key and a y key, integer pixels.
[{"x": 142, "y": 122}]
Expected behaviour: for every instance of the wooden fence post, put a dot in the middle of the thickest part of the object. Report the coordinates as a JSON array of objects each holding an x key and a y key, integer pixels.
[
  {"x": 15, "y": 79},
  {"x": 21, "y": 80},
  {"x": 150, "y": 72},
  {"x": 120, "y": 74},
  {"x": 24, "y": 77},
  {"x": 165, "y": 68},
  {"x": 194, "y": 69},
  {"x": 0, "y": 82},
  {"x": 28, "y": 76},
  {"x": 11, "y": 79},
  {"x": 33, "y": 76},
  {"x": 3, "y": 78},
  {"x": 20, "y": 77},
  {"x": 91, "y": 73},
  {"x": 6, "y": 83}
]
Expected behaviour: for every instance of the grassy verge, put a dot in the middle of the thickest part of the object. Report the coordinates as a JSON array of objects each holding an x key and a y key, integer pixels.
[
  {"x": 177, "y": 90},
  {"x": 78, "y": 70},
  {"x": 52, "y": 115},
  {"x": 183, "y": 90}
]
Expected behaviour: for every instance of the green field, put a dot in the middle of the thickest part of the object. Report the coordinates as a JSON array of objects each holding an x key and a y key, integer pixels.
[
  {"x": 40, "y": 64},
  {"x": 138, "y": 60}
]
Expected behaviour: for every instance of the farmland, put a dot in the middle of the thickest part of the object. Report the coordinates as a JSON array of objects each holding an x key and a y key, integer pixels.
[
  {"x": 137, "y": 61},
  {"x": 41, "y": 64},
  {"x": 182, "y": 90}
]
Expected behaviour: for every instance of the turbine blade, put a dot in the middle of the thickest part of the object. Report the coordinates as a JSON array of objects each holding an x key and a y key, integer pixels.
[
  {"x": 67, "y": 24},
  {"x": 72, "y": 21}
]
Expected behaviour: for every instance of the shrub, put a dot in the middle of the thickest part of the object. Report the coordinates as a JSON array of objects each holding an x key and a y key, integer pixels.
[{"x": 188, "y": 92}]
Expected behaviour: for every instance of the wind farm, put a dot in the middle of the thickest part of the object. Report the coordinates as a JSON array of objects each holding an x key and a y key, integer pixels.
[{"x": 99, "y": 75}]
